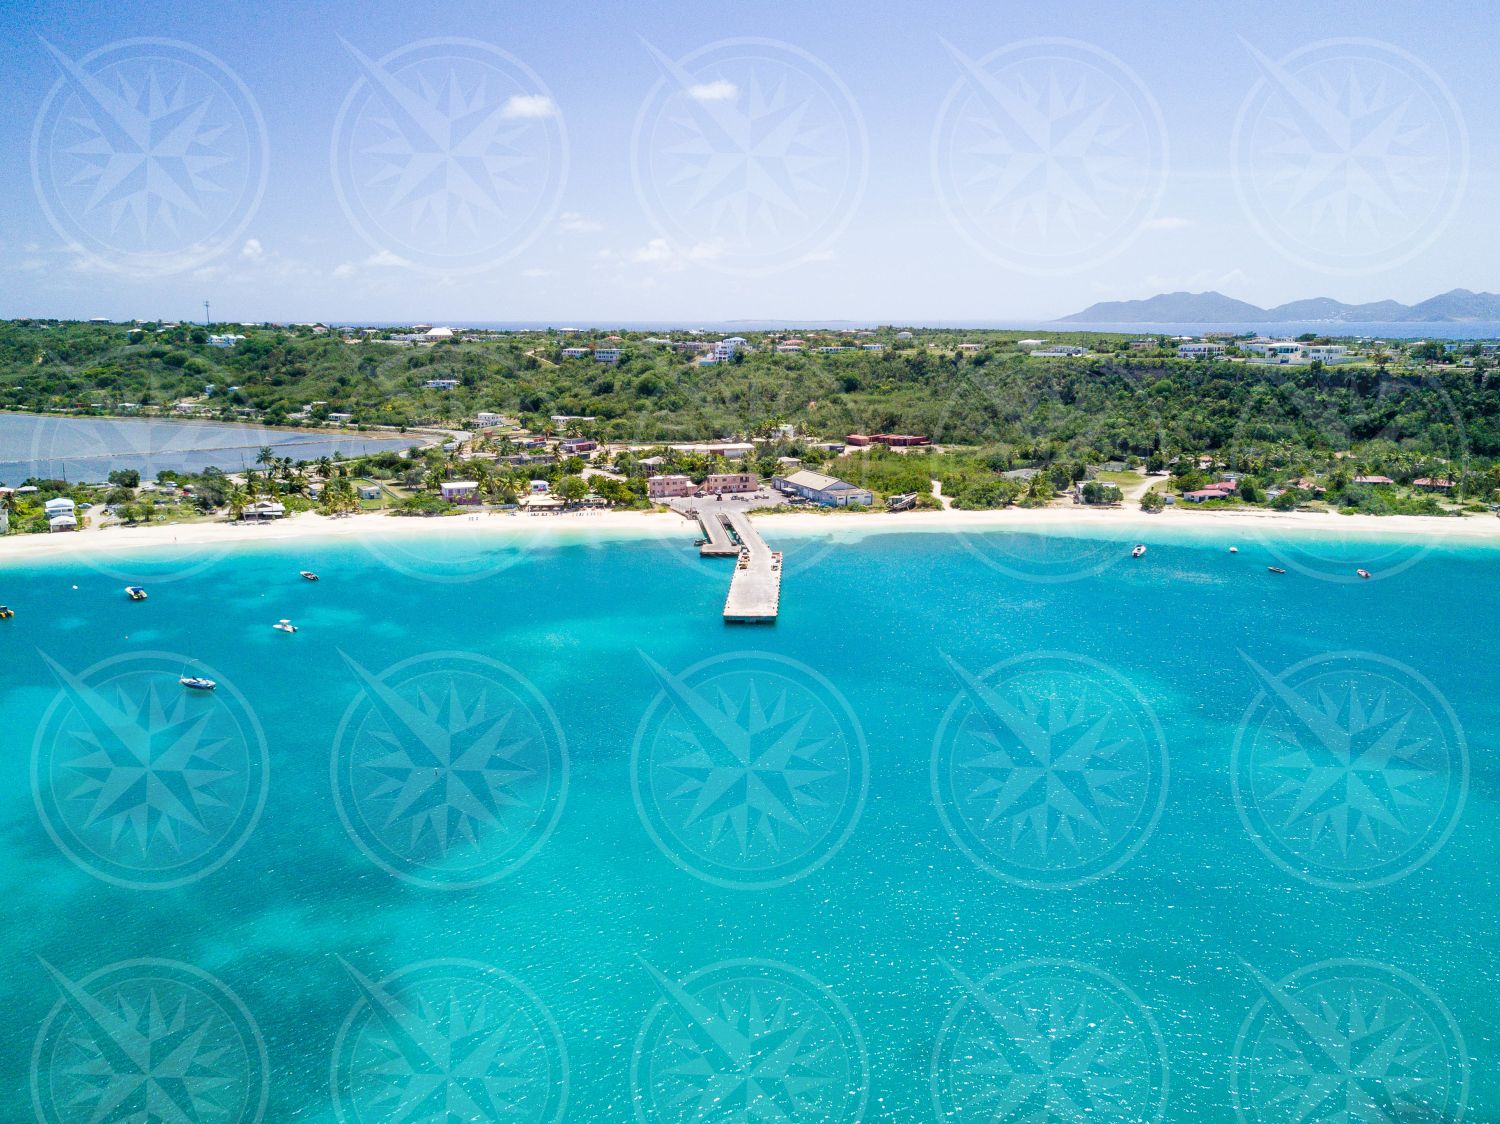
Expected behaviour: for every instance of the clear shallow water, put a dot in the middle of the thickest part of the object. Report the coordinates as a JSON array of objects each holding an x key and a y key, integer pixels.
[
  {"x": 897, "y": 934},
  {"x": 88, "y": 449}
]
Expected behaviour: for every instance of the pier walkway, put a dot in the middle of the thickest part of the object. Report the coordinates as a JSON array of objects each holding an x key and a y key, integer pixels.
[
  {"x": 755, "y": 587},
  {"x": 716, "y": 532}
]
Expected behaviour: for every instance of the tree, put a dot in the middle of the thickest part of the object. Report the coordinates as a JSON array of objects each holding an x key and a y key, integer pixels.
[
  {"x": 572, "y": 488},
  {"x": 1153, "y": 501},
  {"x": 125, "y": 478}
]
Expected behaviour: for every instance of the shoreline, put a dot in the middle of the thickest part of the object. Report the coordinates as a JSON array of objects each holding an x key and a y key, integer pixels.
[{"x": 312, "y": 528}]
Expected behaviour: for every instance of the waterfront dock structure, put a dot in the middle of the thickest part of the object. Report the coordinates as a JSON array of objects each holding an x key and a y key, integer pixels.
[
  {"x": 717, "y": 541},
  {"x": 755, "y": 587}
]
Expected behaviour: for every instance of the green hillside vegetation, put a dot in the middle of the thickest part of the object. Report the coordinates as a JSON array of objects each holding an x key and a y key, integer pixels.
[{"x": 1404, "y": 414}]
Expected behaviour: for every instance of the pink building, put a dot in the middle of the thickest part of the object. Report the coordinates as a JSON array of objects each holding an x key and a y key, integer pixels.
[
  {"x": 663, "y": 487},
  {"x": 717, "y": 482}
]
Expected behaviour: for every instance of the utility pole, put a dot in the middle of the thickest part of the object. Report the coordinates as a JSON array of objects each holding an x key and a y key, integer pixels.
[{"x": 205, "y": 314}]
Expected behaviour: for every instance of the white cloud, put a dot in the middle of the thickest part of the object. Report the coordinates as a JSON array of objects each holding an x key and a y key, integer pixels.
[
  {"x": 658, "y": 251},
  {"x": 574, "y": 223},
  {"x": 1168, "y": 222},
  {"x": 662, "y": 254},
  {"x": 537, "y": 273},
  {"x": 529, "y": 106},
  {"x": 383, "y": 259},
  {"x": 252, "y": 250},
  {"x": 720, "y": 90}
]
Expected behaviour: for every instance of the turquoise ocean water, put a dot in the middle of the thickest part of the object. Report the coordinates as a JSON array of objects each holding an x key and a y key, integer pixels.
[{"x": 1177, "y": 899}]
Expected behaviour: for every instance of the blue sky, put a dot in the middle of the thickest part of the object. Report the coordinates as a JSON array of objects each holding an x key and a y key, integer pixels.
[{"x": 678, "y": 161}]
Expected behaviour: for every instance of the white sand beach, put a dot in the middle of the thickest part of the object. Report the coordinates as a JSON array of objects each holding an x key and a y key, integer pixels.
[{"x": 603, "y": 525}]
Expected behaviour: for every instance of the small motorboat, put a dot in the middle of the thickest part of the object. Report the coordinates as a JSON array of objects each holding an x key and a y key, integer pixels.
[
  {"x": 1234, "y": 550},
  {"x": 197, "y": 683},
  {"x": 1140, "y": 549},
  {"x": 309, "y": 575},
  {"x": 284, "y": 625},
  {"x": 135, "y": 593},
  {"x": 6, "y": 612},
  {"x": 1276, "y": 569},
  {"x": 1363, "y": 573}
]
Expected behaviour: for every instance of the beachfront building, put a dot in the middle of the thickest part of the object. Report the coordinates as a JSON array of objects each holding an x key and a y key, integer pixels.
[
  {"x": 829, "y": 491},
  {"x": 1213, "y": 492},
  {"x": 669, "y": 486},
  {"x": 263, "y": 511},
  {"x": 717, "y": 483},
  {"x": 62, "y": 523},
  {"x": 539, "y": 487},
  {"x": 1433, "y": 483},
  {"x": 60, "y": 506},
  {"x": 460, "y": 491},
  {"x": 369, "y": 491}
]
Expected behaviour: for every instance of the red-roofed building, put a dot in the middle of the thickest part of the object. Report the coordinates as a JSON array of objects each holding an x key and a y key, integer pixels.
[{"x": 1373, "y": 480}]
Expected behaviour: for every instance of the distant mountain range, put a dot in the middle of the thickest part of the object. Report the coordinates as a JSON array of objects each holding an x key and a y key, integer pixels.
[{"x": 1216, "y": 308}]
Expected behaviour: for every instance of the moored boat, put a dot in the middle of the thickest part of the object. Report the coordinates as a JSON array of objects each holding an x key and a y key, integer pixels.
[
  {"x": 1140, "y": 549},
  {"x": 1276, "y": 569},
  {"x": 6, "y": 612},
  {"x": 284, "y": 625},
  {"x": 309, "y": 575},
  {"x": 197, "y": 683},
  {"x": 1363, "y": 573},
  {"x": 135, "y": 593}
]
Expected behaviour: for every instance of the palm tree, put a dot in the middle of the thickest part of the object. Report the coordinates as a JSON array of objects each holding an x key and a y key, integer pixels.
[
  {"x": 239, "y": 498},
  {"x": 265, "y": 456}
]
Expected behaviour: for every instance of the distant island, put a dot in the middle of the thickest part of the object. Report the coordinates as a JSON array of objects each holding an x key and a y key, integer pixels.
[{"x": 1457, "y": 305}]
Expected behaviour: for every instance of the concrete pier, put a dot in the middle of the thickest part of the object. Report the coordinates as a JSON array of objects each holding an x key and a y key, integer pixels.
[
  {"x": 716, "y": 532},
  {"x": 755, "y": 587}
]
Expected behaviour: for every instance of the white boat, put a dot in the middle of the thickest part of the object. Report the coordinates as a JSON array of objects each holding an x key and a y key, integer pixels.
[
  {"x": 1234, "y": 550},
  {"x": 1140, "y": 549},
  {"x": 285, "y": 625},
  {"x": 135, "y": 593},
  {"x": 197, "y": 683},
  {"x": 309, "y": 575}
]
